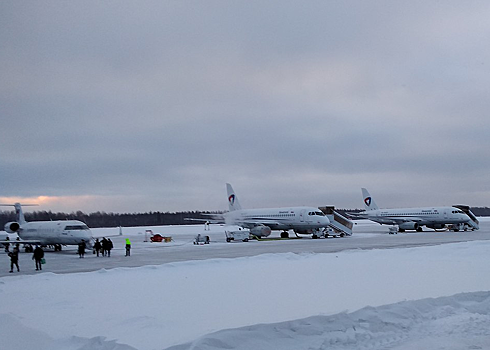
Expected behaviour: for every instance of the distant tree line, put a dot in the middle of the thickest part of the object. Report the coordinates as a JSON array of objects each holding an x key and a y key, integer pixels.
[{"x": 103, "y": 219}]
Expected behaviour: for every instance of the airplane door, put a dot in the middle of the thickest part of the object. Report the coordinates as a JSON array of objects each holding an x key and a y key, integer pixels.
[
  {"x": 445, "y": 214},
  {"x": 302, "y": 215}
]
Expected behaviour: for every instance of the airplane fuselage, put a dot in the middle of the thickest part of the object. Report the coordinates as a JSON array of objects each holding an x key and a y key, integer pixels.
[
  {"x": 429, "y": 216},
  {"x": 70, "y": 232},
  {"x": 299, "y": 219}
]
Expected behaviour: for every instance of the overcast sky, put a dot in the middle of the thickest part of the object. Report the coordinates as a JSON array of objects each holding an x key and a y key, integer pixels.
[{"x": 134, "y": 106}]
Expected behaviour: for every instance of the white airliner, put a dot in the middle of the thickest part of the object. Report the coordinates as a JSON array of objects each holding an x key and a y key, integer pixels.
[
  {"x": 413, "y": 218},
  {"x": 302, "y": 220},
  {"x": 47, "y": 233}
]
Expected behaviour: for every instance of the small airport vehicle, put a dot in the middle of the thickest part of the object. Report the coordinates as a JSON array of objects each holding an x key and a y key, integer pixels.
[
  {"x": 459, "y": 227},
  {"x": 159, "y": 238},
  {"x": 201, "y": 239},
  {"x": 393, "y": 230},
  {"x": 237, "y": 235}
]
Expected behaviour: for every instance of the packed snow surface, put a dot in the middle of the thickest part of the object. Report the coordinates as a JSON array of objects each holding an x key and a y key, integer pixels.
[{"x": 432, "y": 297}]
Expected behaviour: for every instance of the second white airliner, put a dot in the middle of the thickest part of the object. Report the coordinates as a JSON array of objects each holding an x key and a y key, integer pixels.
[
  {"x": 415, "y": 218},
  {"x": 302, "y": 220}
]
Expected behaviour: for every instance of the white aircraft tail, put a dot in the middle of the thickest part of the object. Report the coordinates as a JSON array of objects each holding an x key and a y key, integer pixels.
[
  {"x": 233, "y": 203},
  {"x": 19, "y": 214},
  {"x": 369, "y": 203}
]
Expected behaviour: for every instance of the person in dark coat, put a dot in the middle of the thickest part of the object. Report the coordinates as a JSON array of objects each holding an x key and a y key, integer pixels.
[
  {"x": 14, "y": 260},
  {"x": 7, "y": 245},
  {"x": 109, "y": 247},
  {"x": 81, "y": 249},
  {"x": 103, "y": 245},
  {"x": 38, "y": 255},
  {"x": 97, "y": 246}
]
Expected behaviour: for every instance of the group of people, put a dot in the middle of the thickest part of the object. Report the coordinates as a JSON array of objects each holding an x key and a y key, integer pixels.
[
  {"x": 103, "y": 246},
  {"x": 38, "y": 256}
]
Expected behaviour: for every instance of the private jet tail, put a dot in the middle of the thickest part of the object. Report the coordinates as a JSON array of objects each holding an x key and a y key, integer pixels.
[
  {"x": 369, "y": 203},
  {"x": 19, "y": 214},
  {"x": 233, "y": 203}
]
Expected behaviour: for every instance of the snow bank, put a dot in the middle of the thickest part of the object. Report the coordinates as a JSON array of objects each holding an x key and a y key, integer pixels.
[
  {"x": 16, "y": 336},
  {"x": 452, "y": 323},
  {"x": 156, "y": 307}
]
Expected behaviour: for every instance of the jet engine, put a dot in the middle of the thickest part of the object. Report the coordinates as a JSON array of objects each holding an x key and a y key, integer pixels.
[
  {"x": 409, "y": 226},
  {"x": 11, "y": 227},
  {"x": 261, "y": 231}
]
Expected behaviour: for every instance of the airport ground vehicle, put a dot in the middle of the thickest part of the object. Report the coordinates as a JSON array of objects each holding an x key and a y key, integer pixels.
[
  {"x": 159, "y": 238},
  {"x": 237, "y": 235},
  {"x": 201, "y": 239}
]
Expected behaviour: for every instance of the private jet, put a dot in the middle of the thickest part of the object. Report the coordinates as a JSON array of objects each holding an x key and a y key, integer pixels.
[{"x": 47, "y": 233}]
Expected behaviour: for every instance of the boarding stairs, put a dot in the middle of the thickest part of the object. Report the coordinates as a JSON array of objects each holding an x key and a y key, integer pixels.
[
  {"x": 473, "y": 223},
  {"x": 338, "y": 223}
]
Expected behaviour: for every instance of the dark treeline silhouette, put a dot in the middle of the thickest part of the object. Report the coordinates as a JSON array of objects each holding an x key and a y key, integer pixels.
[
  {"x": 480, "y": 211},
  {"x": 102, "y": 219}
]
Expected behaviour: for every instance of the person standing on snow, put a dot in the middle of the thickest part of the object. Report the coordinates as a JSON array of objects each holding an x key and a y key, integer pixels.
[
  {"x": 109, "y": 247},
  {"x": 14, "y": 260},
  {"x": 7, "y": 245},
  {"x": 81, "y": 249},
  {"x": 103, "y": 246},
  {"x": 97, "y": 246},
  {"x": 128, "y": 247},
  {"x": 38, "y": 255}
]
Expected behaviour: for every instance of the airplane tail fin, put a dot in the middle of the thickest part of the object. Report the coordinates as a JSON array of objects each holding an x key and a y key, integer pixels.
[
  {"x": 369, "y": 203},
  {"x": 19, "y": 214},
  {"x": 233, "y": 203}
]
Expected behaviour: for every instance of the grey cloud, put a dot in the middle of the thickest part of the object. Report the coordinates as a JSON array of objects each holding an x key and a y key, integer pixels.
[{"x": 164, "y": 102}]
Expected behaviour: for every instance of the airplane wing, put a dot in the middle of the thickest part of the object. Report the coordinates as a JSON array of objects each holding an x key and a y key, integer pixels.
[
  {"x": 211, "y": 221},
  {"x": 32, "y": 241},
  {"x": 253, "y": 223},
  {"x": 400, "y": 220},
  {"x": 357, "y": 215}
]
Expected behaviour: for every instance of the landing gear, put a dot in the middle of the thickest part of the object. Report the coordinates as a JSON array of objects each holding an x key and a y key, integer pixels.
[
  {"x": 57, "y": 247},
  {"x": 284, "y": 234}
]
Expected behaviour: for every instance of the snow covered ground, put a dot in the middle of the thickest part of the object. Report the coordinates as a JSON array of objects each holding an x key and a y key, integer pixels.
[{"x": 429, "y": 297}]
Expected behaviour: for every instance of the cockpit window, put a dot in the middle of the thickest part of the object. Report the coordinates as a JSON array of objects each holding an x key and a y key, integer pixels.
[{"x": 319, "y": 213}]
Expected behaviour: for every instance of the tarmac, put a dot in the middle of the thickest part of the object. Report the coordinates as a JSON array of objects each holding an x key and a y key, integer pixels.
[{"x": 182, "y": 248}]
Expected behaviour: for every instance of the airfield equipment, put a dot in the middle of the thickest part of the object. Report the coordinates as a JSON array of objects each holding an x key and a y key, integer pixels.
[{"x": 237, "y": 235}]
